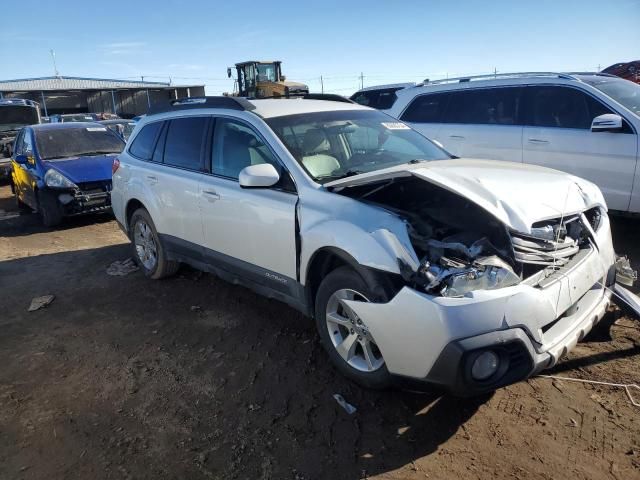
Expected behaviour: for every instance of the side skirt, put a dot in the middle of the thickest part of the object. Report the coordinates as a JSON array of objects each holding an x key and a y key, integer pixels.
[{"x": 238, "y": 272}]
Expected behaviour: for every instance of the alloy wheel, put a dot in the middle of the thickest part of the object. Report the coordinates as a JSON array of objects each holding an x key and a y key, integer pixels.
[
  {"x": 145, "y": 244},
  {"x": 349, "y": 334}
]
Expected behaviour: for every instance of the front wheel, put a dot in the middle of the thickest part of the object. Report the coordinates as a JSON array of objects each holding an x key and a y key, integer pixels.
[
  {"x": 149, "y": 251},
  {"x": 49, "y": 208},
  {"x": 344, "y": 335}
]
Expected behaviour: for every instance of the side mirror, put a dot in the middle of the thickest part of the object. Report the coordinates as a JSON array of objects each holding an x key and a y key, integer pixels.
[
  {"x": 609, "y": 122},
  {"x": 259, "y": 176},
  {"x": 21, "y": 159},
  {"x": 229, "y": 72}
]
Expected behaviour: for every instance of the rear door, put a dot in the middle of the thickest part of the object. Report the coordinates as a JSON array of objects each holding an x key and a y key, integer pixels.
[
  {"x": 171, "y": 176},
  {"x": 558, "y": 135},
  {"x": 248, "y": 232}
]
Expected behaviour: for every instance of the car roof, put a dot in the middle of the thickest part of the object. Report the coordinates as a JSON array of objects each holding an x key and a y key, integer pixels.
[{"x": 279, "y": 107}]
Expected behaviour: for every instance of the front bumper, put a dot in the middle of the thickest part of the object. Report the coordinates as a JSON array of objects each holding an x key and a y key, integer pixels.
[
  {"x": 433, "y": 340},
  {"x": 93, "y": 198}
]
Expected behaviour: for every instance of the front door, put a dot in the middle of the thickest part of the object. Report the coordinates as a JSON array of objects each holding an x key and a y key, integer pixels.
[
  {"x": 248, "y": 232},
  {"x": 558, "y": 135}
]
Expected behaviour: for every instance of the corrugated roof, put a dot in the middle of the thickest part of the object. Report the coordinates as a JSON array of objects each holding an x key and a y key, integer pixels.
[{"x": 76, "y": 83}]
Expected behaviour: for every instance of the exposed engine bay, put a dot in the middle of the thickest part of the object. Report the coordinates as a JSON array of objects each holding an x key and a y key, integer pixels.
[{"x": 463, "y": 248}]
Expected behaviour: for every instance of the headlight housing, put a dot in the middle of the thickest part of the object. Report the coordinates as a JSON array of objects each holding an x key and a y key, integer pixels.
[{"x": 55, "y": 179}]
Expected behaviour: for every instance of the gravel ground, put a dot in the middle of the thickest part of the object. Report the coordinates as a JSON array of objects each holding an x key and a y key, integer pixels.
[{"x": 190, "y": 377}]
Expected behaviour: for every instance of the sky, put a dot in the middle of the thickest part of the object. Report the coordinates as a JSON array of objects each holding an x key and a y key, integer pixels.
[{"x": 384, "y": 41}]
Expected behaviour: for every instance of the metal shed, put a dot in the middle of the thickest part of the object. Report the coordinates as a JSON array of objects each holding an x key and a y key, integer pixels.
[{"x": 126, "y": 98}]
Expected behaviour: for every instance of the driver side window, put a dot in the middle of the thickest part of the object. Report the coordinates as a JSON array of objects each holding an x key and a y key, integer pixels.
[
  {"x": 27, "y": 144},
  {"x": 236, "y": 146}
]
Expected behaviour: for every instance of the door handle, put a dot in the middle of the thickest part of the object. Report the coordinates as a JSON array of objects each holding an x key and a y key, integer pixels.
[
  {"x": 459, "y": 137},
  {"x": 211, "y": 195},
  {"x": 538, "y": 141},
  {"x": 152, "y": 180}
]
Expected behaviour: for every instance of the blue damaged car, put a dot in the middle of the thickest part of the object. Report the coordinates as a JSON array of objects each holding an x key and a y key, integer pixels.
[{"x": 64, "y": 169}]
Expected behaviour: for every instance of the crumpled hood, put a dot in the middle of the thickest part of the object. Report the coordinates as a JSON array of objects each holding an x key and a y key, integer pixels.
[
  {"x": 84, "y": 169},
  {"x": 515, "y": 193}
]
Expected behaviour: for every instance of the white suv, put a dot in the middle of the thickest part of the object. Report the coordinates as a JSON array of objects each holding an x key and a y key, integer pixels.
[
  {"x": 417, "y": 267},
  {"x": 583, "y": 124}
]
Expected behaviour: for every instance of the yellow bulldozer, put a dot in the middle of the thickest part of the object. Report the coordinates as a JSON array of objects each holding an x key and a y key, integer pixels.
[{"x": 263, "y": 79}]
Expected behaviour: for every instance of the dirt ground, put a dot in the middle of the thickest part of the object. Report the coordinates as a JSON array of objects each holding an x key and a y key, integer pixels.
[{"x": 190, "y": 377}]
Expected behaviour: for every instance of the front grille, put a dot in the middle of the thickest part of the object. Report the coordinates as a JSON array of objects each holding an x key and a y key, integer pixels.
[
  {"x": 538, "y": 251},
  {"x": 95, "y": 187}
]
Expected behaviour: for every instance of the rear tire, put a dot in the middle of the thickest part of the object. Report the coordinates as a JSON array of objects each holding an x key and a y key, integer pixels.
[
  {"x": 49, "y": 208},
  {"x": 337, "y": 326},
  {"x": 148, "y": 250}
]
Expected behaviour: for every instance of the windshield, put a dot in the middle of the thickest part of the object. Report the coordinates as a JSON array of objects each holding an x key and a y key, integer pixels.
[
  {"x": 76, "y": 142},
  {"x": 332, "y": 145},
  {"x": 266, "y": 72},
  {"x": 622, "y": 91},
  {"x": 12, "y": 117}
]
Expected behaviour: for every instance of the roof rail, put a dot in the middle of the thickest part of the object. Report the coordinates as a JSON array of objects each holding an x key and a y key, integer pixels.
[
  {"x": 330, "y": 97},
  {"x": 188, "y": 103},
  {"x": 490, "y": 76}
]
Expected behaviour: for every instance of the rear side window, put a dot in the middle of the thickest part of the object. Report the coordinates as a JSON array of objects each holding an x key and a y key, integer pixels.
[
  {"x": 145, "y": 141},
  {"x": 491, "y": 106},
  {"x": 380, "y": 99},
  {"x": 185, "y": 142},
  {"x": 426, "y": 109},
  {"x": 560, "y": 107}
]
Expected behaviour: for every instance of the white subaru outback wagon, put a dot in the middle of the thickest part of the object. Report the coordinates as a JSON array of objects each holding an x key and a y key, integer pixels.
[{"x": 417, "y": 267}]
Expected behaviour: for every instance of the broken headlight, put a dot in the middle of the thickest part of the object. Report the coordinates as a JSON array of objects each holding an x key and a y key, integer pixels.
[{"x": 455, "y": 278}]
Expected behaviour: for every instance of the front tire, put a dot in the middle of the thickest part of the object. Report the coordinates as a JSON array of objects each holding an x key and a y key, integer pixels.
[
  {"x": 49, "y": 208},
  {"x": 148, "y": 250},
  {"x": 345, "y": 337}
]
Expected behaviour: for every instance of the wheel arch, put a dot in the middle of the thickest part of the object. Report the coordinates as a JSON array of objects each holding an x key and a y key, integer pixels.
[
  {"x": 327, "y": 259},
  {"x": 133, "y": 204}
]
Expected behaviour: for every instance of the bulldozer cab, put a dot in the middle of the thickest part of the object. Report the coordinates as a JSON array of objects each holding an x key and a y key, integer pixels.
[
  {"x": 263, "y": 79},
  {"x": 253, "y": 78}
]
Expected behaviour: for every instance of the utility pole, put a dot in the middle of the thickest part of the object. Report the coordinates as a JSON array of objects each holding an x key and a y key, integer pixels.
[
  {"x": 321, "y": 84},
  {"x": 495, "y": 72},
  {"x": 361, "y": 80},
  {"x": 55, "y": 67}
]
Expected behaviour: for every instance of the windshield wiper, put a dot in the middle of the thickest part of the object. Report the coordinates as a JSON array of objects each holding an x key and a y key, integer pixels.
[{"x": 90, "y": 154}]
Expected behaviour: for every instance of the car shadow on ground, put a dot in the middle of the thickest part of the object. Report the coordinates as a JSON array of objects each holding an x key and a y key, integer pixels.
[{"x": 215, "y": 365}]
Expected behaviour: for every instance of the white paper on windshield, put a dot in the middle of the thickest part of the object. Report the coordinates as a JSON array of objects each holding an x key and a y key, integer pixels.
[
  {"x": 395, "y": 126},
  {"x": 96, "y": 129}
]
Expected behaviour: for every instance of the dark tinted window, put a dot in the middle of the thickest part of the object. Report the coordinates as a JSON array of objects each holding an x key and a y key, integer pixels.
[
  {"x": 491, "y": 106},
  {"x": 561, "y": 107},
  {"x": 426, "y": 109},
  {"x": 142, "y": 146},
  {"x": 379, "y": 99},
  {"x": 185, "y": 141}
]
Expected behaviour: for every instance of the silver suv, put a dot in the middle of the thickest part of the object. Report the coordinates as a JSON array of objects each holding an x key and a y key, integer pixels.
[
  {"x": 416, "y": 267},
  {"x": 586, "y": 124}
]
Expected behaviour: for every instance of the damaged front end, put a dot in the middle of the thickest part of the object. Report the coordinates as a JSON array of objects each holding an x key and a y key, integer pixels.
[{"x": 463, "y": 248}]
